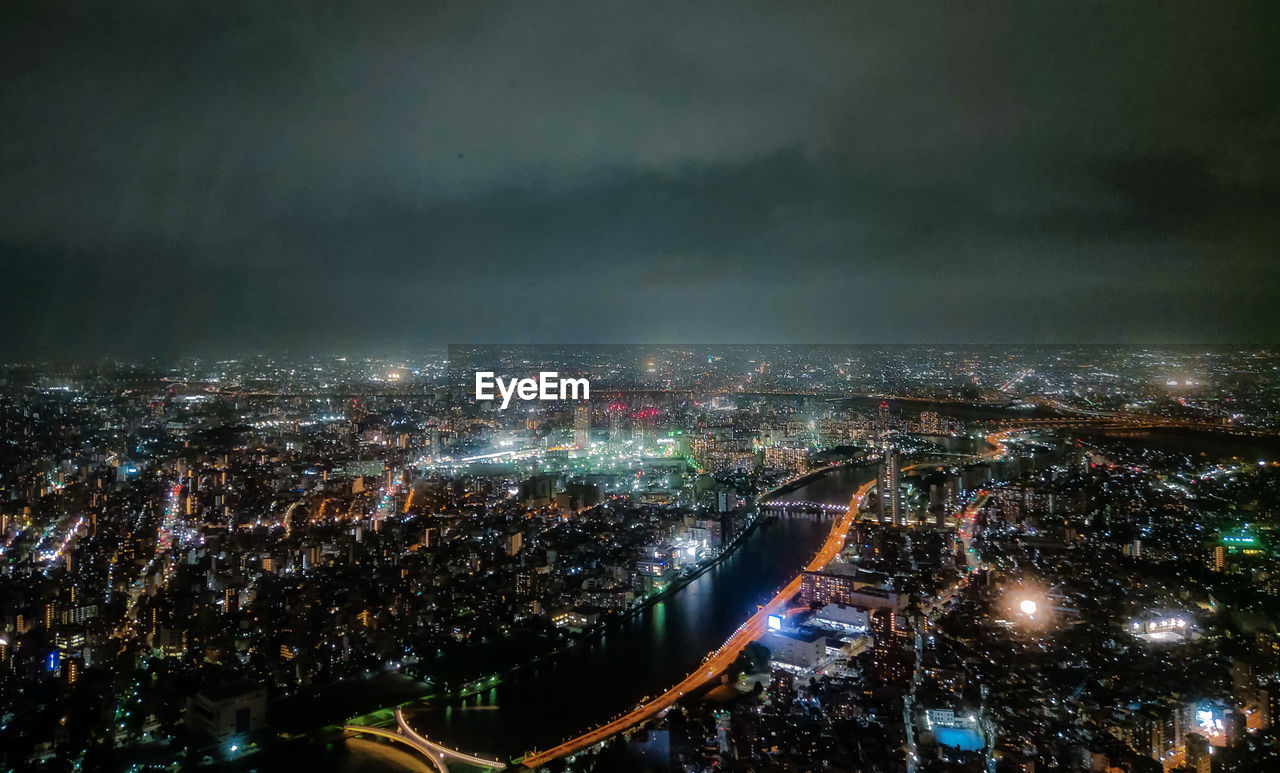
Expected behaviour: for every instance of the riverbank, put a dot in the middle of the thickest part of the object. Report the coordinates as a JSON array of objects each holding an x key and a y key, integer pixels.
[
  {"x": 438, "y": 696},
  {"x": 485, "y": 684},
  {"x": 650, "y": 650},
  {"x": 721, "y": 657},
  {"x": 795, "y": 484},
  {"x": 595, "y": 633}
]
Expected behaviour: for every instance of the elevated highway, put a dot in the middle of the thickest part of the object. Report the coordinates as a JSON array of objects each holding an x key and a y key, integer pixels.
[
  {"x": 440, "y": 756},
  {"x": 719, "y": 660}
]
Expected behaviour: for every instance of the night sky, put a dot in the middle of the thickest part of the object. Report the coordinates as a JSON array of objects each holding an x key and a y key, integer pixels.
[{"x": 208, "y": 178}]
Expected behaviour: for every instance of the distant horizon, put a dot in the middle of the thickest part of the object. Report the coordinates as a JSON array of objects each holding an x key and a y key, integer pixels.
[{"x": 345, "y": 353}]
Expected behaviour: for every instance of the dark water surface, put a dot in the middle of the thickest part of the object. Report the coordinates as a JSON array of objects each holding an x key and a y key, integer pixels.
[
  {"x": 660, "y": 646},
  {"x": 644, "y": 656}
]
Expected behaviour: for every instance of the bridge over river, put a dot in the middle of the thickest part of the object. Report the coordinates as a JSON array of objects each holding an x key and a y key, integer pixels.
[
  {"x": 713, "y": 665},
  {"x": 439, "y": 755}
]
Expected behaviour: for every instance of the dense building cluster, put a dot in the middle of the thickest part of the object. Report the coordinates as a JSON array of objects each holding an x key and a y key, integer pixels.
[{"x": 195, "y": 559}]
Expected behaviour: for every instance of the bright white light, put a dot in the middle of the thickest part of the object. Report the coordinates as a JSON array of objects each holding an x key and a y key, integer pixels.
[{"x": 1028, "y": 606}]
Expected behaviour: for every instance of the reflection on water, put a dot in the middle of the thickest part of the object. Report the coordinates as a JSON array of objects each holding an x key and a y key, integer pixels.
[
  {"x": 1181, "y": 441},
  {"x": 644, "y": 655},
  {"x": 833, "y": 487},
  {"x": 364, "y": 756},
  {"x": 660, "y": 646}
]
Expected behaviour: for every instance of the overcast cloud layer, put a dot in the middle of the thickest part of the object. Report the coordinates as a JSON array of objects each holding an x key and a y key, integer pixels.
[{"x": 223, "y": 177}]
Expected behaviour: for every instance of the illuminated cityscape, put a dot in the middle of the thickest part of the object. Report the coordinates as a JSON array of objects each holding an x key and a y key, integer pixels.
[
  {"x": 617, "y": 387},
  {"x": 231, "y": 563}
]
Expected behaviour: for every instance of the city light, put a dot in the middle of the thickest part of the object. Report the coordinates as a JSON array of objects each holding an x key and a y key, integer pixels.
[
  {"x": 1025, "y": 606},
  {"x": 215, "y": 550}
]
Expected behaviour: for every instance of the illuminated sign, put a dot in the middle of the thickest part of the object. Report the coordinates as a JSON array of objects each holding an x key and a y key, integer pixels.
[
  {"x": 1209, "y": 720},
  {"x": 775, "y": 622}
]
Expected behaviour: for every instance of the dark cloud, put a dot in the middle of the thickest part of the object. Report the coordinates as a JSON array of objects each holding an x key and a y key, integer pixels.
[{"x": 205, "y": 177}]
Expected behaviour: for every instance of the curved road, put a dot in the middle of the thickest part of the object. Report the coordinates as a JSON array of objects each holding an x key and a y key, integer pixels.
[
  {"x": 755, "y": 626},
  {"x": 720, "y": 660},
  {"x": 437, "y": 754}
]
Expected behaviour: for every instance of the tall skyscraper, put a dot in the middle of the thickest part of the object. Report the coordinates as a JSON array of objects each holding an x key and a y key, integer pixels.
[
  {"x": 890, "y": 509},
  {"x": 882, "y": 427}
]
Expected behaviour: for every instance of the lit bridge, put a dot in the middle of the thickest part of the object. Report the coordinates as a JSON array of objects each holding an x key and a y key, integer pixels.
[
  {"x": 439, "y": 756},
  {"x": 722, "y": 658}
]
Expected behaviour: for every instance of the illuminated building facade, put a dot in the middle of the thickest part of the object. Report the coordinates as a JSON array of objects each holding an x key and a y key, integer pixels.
[
  {"x": 582, "y": 426},
  {"x": 892, "y": 653},
  {"x": 890, "y": 503}
]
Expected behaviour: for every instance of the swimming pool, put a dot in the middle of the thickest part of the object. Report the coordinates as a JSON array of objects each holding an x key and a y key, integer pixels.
[{"x": 957, "y": 738}]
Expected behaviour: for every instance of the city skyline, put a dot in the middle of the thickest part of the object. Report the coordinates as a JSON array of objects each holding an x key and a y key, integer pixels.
[
  {"x": 601, "y": 386},
  {"x": 902, "y": 559}
]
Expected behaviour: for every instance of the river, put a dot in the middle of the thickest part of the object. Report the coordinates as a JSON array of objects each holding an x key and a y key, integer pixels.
[
  {"x": 661, "y": 645},
  {"x": 648, "y": 653}
]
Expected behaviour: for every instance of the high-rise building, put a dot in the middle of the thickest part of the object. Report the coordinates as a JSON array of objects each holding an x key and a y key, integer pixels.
[
  {"x": 930, "y": 423},
  {"x": 528, "y": 582},
  {"x": 891, "y": 657},
  {"x": 821, "y": 588},
  {"x": 723, "y": 724},
  {"x": 1234, "y": 724},
  {"x": 643, "y": 423},
  {"x": 789, "y": 458},
  {"x": 582, "y": 426},
  {"x": 942, "y": 499},
  {"x": 617, "y": 422},
  {"x": 1197, "y": 753},
  {"x": 882, "y": 426},
  {"x": 890, "y": 505}
]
